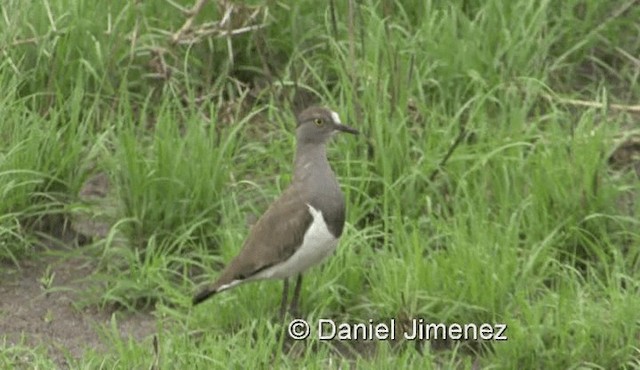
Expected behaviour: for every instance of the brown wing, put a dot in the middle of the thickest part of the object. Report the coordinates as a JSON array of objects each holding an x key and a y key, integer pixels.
[{"x": 273, "y": 239}]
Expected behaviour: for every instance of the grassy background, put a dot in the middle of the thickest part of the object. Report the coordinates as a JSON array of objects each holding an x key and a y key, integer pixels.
[{"x": 523, "y": 224}]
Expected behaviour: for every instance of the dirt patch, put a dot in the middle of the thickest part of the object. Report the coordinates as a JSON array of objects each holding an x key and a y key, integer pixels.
[{"x": 51, "y": 319}]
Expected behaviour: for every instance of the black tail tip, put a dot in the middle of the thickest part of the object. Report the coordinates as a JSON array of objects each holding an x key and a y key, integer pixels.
[{"x": 202, "y": 296}]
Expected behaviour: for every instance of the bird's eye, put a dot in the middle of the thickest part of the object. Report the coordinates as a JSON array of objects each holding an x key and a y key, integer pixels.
[{"x": 318, "y": 122}]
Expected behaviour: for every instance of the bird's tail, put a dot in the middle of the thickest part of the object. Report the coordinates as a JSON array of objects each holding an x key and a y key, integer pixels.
[
  {"x": 203, "y": 295},
  {"x": 224, "y": 282}
]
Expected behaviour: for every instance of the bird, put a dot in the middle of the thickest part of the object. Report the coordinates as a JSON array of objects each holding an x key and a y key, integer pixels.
[{"x": 302, "y": 227}]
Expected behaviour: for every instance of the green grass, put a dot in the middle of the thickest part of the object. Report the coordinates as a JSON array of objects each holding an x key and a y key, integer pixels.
[
  {"x": 522, "y": 225},
  {"x": 20, "y": 355}
]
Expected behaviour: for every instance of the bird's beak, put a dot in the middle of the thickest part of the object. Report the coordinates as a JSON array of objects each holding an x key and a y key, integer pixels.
[{"x": 345, "y": 128}]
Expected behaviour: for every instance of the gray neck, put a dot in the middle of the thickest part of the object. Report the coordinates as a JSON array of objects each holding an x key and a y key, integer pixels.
[
  {"x": 312, "y": 170},
  {"x": 311, "y": 161}
]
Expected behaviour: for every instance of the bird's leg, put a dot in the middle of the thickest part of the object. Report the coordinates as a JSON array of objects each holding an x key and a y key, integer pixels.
[
  {"x": 285, "y": 296},
  {"x": 296, "y": 296}
]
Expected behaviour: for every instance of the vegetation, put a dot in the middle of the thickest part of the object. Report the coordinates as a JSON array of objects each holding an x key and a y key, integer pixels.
[{"x": 483, "y": 190}]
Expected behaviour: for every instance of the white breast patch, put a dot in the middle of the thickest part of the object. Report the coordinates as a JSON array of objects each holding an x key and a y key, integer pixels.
[{"x": 318, "y": 243}]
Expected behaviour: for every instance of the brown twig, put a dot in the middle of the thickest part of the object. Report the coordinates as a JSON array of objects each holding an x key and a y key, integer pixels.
[
  {"x": 594, "y": 104},
  {"x": 232, "y": 23},
  {"x": 191, "y": 16},
  {"x": 634, "y": 60},
  {"x": 161, "y": 70},
  {"x": 461, "y": 136},
  {"x": 213, "y": 29},
  {"x": 30, "y": 40},
  {"x": 181, "y": 8}
]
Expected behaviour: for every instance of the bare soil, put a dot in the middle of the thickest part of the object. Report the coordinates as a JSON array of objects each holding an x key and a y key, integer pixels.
[{"x": 35, "y": 317}]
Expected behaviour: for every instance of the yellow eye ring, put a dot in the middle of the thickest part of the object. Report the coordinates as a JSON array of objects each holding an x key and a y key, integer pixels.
[{"x": 318, "y": 122}]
